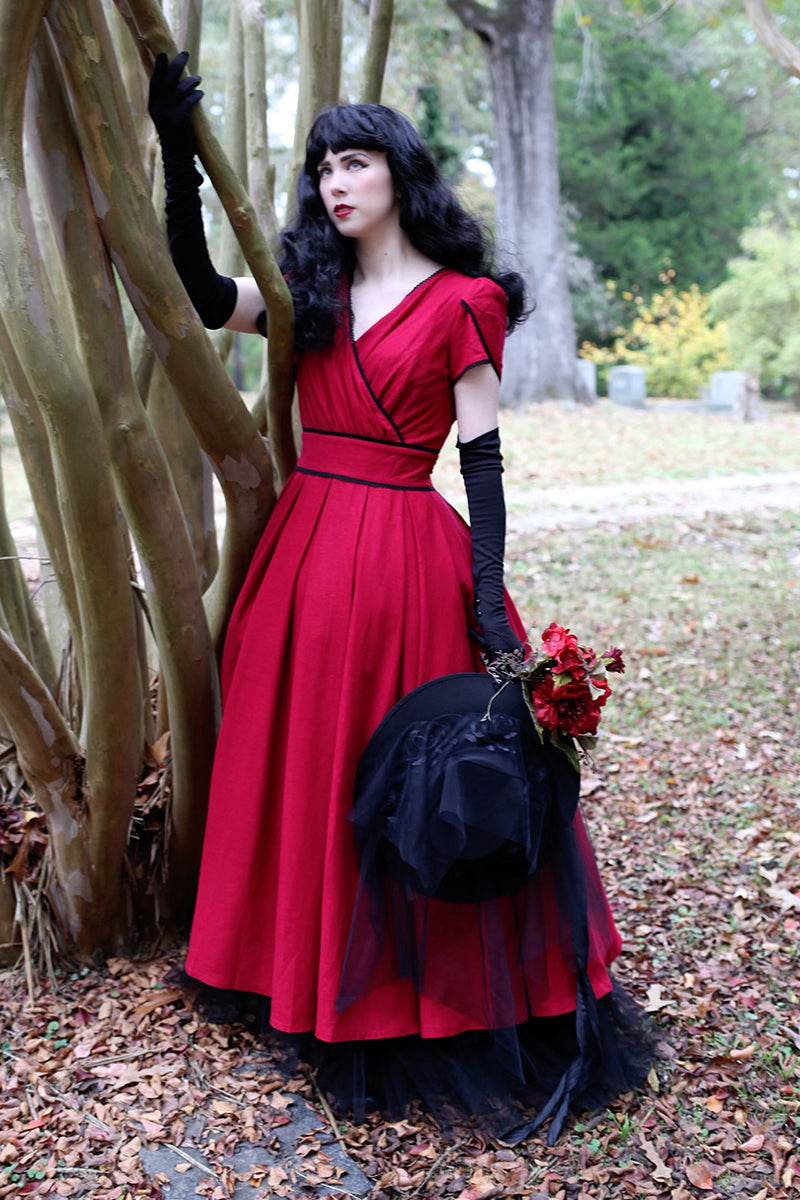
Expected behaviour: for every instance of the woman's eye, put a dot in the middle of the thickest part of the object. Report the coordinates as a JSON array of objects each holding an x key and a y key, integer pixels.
[{"x": 356, "y": 162}]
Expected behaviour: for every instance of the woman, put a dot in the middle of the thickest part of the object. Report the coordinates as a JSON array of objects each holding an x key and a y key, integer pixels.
[{"x": 366, "y": 583}]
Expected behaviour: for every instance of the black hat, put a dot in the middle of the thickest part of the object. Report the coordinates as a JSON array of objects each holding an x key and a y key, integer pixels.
[{"x": 456, "y": 795}]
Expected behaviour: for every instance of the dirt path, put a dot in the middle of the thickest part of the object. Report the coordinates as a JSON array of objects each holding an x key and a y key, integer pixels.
[{"x": 622, "y": 504}]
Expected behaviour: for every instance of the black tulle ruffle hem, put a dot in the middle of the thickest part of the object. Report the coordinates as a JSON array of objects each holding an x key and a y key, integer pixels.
[
  {"x": 416, "y": 891},
  {"x": 507, "y": 1083}
]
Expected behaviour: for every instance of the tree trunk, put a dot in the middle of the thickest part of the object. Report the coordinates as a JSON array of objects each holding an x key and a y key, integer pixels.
[
  {"x": 320, "y": 25},
  {"x": 239, "y": 483},
  {"x": 517, "y": 37},
  {"x": 97, "y": 472},
  {"x": 234, "y": 141},
  {"x": 144, "y": 482},
  {"x": 18, "y": 614},
  {"x": 259, "y": 173},
  {"x": 34, "y": 449},
  {"x": 43, "y": 340},
  {"x": 381, "y": 13},
  {"x": 772, "y": 38}
]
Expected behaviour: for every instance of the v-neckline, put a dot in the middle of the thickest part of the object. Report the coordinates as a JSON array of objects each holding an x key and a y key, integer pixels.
[{"x": 355, "y": 340}]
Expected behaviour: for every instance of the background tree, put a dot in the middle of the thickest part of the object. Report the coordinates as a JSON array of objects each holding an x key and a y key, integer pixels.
[
  {"x": 517, "y": 38},
  {"x": 760, "y": 299},
  {"x": 765, "y": 22},
  {"x": 653, "y": 159}
]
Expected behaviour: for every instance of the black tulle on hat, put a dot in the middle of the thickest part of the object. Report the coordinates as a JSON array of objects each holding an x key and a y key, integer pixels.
[{"x": 455, "y": 793}]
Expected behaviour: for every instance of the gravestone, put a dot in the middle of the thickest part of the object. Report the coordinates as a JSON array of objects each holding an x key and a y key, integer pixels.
[
  {"x": 627, "y": 385},
  {"x": 735, "y": 392},
  {"x": 725, "y": 393},
  {"x": 588, "y": 375}
]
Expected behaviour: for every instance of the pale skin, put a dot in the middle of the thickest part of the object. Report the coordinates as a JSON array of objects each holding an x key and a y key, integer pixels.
[{"x": 358, "y": 192}]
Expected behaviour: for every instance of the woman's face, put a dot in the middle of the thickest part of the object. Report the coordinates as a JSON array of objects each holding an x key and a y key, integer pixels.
[{"x": 358, "y": 192}]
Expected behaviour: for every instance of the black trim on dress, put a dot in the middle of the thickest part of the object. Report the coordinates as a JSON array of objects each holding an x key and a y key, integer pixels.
[
  {"x": 394, "y": 487},
  {"x": 354, "y": 344},
  {"x": 361, "y": 438},
  {"x": 479, "y": 362},
  {"x": 495, "y": 368},
  {"x": 367, "y": 383}
]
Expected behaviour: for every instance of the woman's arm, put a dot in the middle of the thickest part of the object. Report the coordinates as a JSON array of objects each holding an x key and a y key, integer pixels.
[
  {"x": 218, "y": 299},
  {"x": 477, "y": 400},
  {"x": 249, "y": 307},
  {"x": 477, "y": 396}
]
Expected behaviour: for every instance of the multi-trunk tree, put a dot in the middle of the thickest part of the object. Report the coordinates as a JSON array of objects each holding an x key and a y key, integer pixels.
[{"x": 118, "y": 409}]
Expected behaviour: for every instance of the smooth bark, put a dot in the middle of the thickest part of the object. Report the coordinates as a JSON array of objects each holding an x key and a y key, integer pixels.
[
  {"x": 234, "y": 143},
  {"x": 517, "y": 37},
  {"x": 144, "y": 482},
  {"x": 130, "y": 231},
  {"x": 191, "y": 473},
  {"x": 259, "y": 173},
  {"x": 33, "y": 446},
  {"x": 43, "y": 340},
  {"x": 320, "y": 54},
  {"x": 18, "y": 614},
  {"x": 154, "y": 36},
  {"x": 190, "y": 468},
  {"x": 381, "y": 13}
]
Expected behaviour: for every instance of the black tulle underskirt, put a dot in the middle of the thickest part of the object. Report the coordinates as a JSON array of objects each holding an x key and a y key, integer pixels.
[{"x": 507, "y": 1083}]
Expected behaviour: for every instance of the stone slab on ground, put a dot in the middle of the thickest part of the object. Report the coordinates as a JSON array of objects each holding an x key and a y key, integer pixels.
[{"x": 280, "y": 1152}]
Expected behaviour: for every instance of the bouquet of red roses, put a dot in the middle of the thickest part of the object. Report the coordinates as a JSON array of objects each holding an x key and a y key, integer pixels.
[{"x": 565, "y": 687}]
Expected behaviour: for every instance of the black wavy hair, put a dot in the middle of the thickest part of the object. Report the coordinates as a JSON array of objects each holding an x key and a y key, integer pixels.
[{"x": 316, "y": 257}]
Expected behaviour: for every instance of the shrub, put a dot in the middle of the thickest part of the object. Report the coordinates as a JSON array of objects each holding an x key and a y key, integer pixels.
[
  {"x": 673, "y": 338},
  {"x": 760, "y": 301}
]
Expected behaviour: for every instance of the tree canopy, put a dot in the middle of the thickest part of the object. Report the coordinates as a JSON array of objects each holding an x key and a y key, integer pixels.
[{"x": 653, "y": 158}]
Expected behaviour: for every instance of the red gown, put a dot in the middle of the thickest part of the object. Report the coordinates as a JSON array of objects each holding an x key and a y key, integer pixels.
[{"x": 359, "y": 591}]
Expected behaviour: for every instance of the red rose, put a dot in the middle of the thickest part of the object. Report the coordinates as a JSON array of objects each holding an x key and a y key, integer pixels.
[
  {"x": 578, "y": 711},
  {"x": 543, "y": 706},
  {"x": 601, "y": 682},
  {"x": 555, "y": 638},
  {"x": 614, "y": 662},
  {"x": 569, "y": 660}
]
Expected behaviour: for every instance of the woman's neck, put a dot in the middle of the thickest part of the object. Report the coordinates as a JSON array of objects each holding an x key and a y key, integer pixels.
[{"x": 394, "y": 257}]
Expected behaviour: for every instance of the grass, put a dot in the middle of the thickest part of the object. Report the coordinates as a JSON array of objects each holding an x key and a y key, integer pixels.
[{"x": 551, "y": 445}]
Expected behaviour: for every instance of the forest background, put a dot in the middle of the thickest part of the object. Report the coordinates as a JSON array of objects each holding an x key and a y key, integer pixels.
[{"x": 679, "y": 169}]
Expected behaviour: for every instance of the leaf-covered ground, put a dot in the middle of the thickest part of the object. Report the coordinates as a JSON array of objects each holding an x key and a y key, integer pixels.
[{"x": 693, "y": 809}]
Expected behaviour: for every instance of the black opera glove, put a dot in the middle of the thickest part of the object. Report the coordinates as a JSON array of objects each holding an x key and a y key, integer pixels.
[
  {"x": 482, "y": 469},
  {"x": 170, "y": 103}
]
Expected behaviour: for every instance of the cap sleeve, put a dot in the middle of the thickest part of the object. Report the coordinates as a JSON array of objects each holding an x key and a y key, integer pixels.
[{"x": 479, "y": 328}]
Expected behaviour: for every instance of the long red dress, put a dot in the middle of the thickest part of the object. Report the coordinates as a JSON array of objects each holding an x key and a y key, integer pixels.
[{"x": 360, "y": 590}]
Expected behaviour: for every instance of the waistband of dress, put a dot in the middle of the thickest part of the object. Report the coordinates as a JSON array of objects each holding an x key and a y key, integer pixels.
[{"x": 371, "y": 463}]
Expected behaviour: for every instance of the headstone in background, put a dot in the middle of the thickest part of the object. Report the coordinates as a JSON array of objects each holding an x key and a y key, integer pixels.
[
  {"x": 627, "y": 385},
  {"x": 588, "y": 373},
  {"x": 751, "y": 399},
  {"x": 735, "y": 392},
  {"x": 726, "y": 390}
]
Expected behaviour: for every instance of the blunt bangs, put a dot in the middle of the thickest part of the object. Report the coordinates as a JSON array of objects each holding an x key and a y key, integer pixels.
[{"x": 355, "y": 127}]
